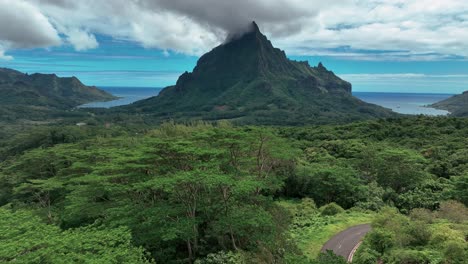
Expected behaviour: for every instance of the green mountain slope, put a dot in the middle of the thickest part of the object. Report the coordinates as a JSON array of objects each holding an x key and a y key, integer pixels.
[
  {"x": 248, "y": 81},
  {"x": 39, "y": 96},
  {"x": 457, "y": 105}
]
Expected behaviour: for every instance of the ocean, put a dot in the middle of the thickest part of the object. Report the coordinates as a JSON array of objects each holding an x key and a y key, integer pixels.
[
  {"x": 127, "y": 95},
  {"x": 405, "y": 103}
]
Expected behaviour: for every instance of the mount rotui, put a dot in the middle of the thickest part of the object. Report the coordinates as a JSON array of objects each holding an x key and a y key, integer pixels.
[{"x": 248, "y": 81}]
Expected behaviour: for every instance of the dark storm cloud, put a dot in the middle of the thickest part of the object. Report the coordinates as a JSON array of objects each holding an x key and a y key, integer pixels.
[
  {"x": 61, "y": 3},
  {"x": 281, "y": 16}
]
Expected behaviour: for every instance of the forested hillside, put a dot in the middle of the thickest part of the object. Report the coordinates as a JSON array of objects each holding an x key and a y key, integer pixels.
[
  {"x": 43, "y": 97},
  {"x": 248, "y": 81},
  {"x": 217, "y": 193},
  {"x": 457, "y": 105}
]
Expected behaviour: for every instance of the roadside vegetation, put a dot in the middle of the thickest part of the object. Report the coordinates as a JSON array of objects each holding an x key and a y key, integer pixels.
[{"x": 217, "y": 193}]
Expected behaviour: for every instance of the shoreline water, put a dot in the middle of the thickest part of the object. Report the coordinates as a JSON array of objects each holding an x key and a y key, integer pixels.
[{"x": 404, "y": 103}]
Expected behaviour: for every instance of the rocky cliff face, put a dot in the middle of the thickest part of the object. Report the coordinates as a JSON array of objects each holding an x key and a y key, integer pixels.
[{"x": 247, "y": 80}]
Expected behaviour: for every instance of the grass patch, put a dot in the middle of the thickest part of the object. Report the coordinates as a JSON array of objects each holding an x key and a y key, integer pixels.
[{"x": 311, "y": 230}]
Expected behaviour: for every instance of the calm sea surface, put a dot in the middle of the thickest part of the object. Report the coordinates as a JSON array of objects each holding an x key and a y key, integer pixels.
[
  {"x": 127, "y": 96},
  {"x": 405, "y": 103}
]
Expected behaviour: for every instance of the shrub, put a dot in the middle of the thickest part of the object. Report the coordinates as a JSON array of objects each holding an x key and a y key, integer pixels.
[
  {"x": 307, "y": 207},
  {"x": 456, "y": 252},
  {"x": 453, "y": 211},
  {"x": 407, "y": 257},
  {"x": 331, "y": 209},
  {"x": 422, "y": 214},
  {"x": 381, "y": 240},
  {"x": 221, "y": 257},
  {"x": 366, "y": 255},
  {"x": 418, "y": 234},
  {"x": 330, "y": 258}
]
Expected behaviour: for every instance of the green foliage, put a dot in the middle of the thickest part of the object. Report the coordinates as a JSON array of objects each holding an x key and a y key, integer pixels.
[
  {"x": 26, "y": 239},
  {"x": 185, "y": 192},
  {"x": 380, "y": 240},
  {"x": 461, "y": 189},
  {"x": 43, "y": 97},
  {"x": 453, "y": 211},
  {"x": 427, "y": 194},
  {"x": 418, "y": 234},
  {"x": 456, "y": 252},
  {"x": 422, "y": 214},
  {"x": 425, "y": 237},
  {"x": 365, "y": 255},
  {"x": 326, "y": 184},
  {"x": 222, "y": 257},
  {"x": 329, "y": 257},
  {"x": 311, "y": 230},
  {"x": 372, "y": 198},
  {"x": 408, "y": 256},
  {"x": 331, "y": 209}
]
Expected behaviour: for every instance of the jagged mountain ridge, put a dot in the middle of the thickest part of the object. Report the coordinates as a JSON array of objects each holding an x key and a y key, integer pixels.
[{"x": 247, "y": 80}]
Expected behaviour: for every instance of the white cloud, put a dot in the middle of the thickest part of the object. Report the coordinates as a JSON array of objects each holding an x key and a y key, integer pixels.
[
  {"x": 3, "y": 56},
  {"x": 403, "y": 29},
  {"x": 22, "y": 25},
  {"x": 81, "y": 40}
]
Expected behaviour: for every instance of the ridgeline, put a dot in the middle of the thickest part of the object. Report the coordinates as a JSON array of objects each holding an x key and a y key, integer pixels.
[{"x": 248, "y": 81}]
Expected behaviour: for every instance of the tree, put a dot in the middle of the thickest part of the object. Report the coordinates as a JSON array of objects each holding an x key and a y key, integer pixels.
[
  {"x": 453, "y": 211},
  {"x": 326, "y": 184},
  {"x": 460, "y": 191},
  {"x": 399, "y": 169},
  {"x": 381, "y": 240},
  {"x": 25, "y": 239}
]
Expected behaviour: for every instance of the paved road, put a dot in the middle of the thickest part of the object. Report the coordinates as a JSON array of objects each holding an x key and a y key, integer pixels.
[{"x": 345, "y": 243}]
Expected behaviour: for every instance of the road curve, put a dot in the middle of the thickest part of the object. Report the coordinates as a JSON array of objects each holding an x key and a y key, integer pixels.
[{"x": 346, "y": 242}]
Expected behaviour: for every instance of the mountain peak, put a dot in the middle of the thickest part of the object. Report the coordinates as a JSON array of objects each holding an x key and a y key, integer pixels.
[
  {"x": 254, "y": 27},
  {"x": 248, "y": 80},
  {"x": 250, "y": 29}
]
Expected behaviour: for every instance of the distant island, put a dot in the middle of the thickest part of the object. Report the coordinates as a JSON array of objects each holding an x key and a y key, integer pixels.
[
  {"x": 38, "y": 97},
  {"x": 248, "y": 81},
  {"x": 457, "y": 105}
]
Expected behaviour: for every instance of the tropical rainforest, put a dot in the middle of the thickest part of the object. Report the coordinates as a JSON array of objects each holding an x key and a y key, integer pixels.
[
  {"x": 196, "y": 176},
  {"x": 220, "y": 193}
]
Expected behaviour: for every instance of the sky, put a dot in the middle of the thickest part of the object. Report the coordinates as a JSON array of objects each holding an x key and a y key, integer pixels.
[{"x": 378, "y": 45}]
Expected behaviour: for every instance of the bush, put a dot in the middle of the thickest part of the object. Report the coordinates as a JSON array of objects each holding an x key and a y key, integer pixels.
[
  {"x": 461, "y": 185},
  {"x": 307, "y": 207},
  {"x": 366, "y": 255},
  {"x": 418, "y": 234},
  {"x": 453, "y": 211},
  {"x": 407, "y": 257},
  {"x": 422, "y": 214},
  {"x": 222, "y": 257},
  {"x": 380, "y": 240},
  {"x": 456, "y": 252},
  {"x": 331, "y": 209},
  {"x": 373, "y": 197},
  {"x": 330, "y": 258}
]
